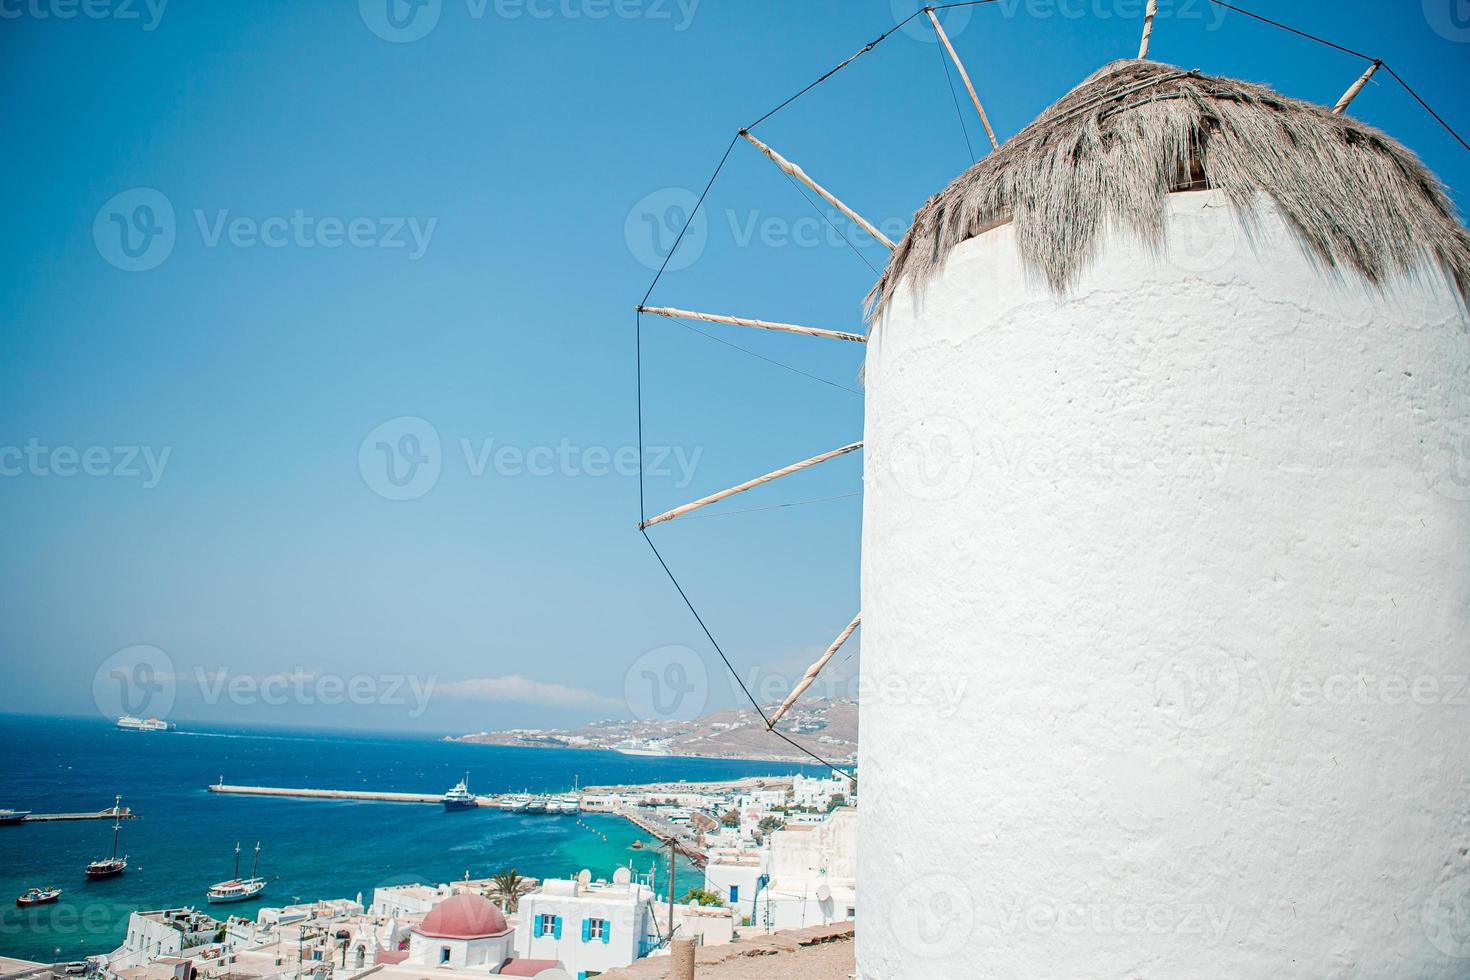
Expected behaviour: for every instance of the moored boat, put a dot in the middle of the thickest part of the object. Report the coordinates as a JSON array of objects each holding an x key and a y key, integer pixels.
[
  {"x": 515, "y": 803},
  {"x": 459, "y": 797},
  {"x": 13, "y": 816},
  {"x": 110, "y": 867},
  {"x": 38, "y": 896},
  {"x": 565, "y": 804},
  {"x": 239, "y": 889}
]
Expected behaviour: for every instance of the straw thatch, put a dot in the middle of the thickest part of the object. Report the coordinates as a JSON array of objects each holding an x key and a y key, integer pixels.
[{"x": 1109, "y": 152}]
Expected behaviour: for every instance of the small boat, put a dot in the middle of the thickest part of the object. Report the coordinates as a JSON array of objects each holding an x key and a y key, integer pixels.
[
  {"x": 515, "y": 803},
  {"x": 13, "y": 816},
  {"x": 239, "y": 889},
  {"x": 110, "y": 867},
  {"x": 536, "y": 804},
  {"x": 565, "y": 804},
  {"x": 459, "y": 797},
  {"x": 38, "y": 896}
]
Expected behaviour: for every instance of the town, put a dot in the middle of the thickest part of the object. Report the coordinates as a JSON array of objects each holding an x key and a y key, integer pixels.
[{"x": 777, "y": 854}]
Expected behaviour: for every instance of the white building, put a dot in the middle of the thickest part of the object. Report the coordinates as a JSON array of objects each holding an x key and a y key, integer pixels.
[
  {"x": 589, "y": 927},
  {"x": 737, "y": 874},
  {"x": 817, "y": 793},
  {"x": 404, "y": 901},
  {"x": 464, "y": 932},
  {"x": 164, "y": 933},
  {"x": 1164, "y": 519},
  {"x": 804, "y": 875}
]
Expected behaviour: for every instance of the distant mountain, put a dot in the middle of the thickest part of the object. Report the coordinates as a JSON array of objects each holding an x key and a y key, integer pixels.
[{"x": 826, "y": 726}]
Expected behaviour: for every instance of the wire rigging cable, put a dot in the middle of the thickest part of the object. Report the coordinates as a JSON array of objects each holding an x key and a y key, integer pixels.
[
  {"x": 1356, "y": 54},
  {"x": 959, "y": 113}
]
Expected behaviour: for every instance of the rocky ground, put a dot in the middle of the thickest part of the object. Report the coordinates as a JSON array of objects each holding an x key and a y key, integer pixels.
[{"x": 817, "y": 953}]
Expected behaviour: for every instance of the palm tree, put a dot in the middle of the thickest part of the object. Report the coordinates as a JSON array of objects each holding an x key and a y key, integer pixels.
[{"x": 507, "y": 887}]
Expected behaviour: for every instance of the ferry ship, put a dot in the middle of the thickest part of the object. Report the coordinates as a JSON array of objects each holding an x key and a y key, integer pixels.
[
  {"x": 239, "y": 889},
  {"x": 643, "y": 747},
  {"x": 459, "y": 797},
  {"x": 110, "y": 867},
  {"x": 128, "y": 723},
  {"x": 13, "y": 816}
]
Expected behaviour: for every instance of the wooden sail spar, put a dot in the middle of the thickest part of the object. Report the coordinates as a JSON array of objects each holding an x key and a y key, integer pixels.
[
  {"x": 715, "y": 498},
  {"x": 811, "y": 672},
  {"x": 954, "y": 56},
  {"x": 790, "y": 168},
  {"x": 1148, "y": 27},
  {"x": 1354, "y": 89},
  {"x": 740, "y": 321}
]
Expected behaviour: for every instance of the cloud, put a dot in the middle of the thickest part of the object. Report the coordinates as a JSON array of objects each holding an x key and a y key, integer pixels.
[{"x": 523, "y": 690}]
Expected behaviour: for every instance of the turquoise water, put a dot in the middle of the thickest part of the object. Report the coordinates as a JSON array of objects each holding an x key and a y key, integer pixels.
[{"x": 185, "y": 838}]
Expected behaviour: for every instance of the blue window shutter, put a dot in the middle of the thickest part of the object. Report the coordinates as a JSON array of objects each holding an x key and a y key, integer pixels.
[
  {"x": 734, "y": 894},
  {"x": 537, "y": 932},
  {"x": 586, "y": 930},
  {"x": 606, "y": 930},
  {"x": 556, "y": 927}
]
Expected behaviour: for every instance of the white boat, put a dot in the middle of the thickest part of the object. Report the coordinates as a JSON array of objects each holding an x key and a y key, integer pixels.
[
  {"x": 515, "y": 803},
  {"x": 566, "y": 804},
  {"x": 239, "y": 889},
  {"x": 128, "y": 723},
  {"x": 644, "y": 747},
  {"x": 460, "y": 798}
]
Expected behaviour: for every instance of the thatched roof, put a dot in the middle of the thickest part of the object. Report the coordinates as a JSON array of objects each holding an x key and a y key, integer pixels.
[{"x": 1110, "y": 151}]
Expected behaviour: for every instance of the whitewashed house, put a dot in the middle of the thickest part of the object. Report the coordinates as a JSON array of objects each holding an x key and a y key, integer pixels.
[
  {"x": 589, "y": 927},
  {"x": 164, "y": 933},
  {"x": 804, "y": 875}
]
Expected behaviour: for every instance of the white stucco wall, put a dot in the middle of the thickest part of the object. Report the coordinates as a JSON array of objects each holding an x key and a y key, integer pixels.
[{"x": 1166, "y": 619}]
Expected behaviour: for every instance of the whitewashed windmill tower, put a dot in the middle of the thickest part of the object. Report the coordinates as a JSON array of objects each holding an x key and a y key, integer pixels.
[
  {"x": 1166, "y": 549},
  {"x": 1166, "y": 470}
]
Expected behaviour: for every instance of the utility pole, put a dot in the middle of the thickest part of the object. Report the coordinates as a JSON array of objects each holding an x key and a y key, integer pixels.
[{"x": 673, "y": 852}]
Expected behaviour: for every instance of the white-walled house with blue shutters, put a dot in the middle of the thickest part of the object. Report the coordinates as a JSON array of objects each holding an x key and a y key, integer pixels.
[{"x": 590, "y": 926}]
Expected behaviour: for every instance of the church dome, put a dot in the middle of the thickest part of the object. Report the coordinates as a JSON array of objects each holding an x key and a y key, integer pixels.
[{"x": 464, "y": 917}]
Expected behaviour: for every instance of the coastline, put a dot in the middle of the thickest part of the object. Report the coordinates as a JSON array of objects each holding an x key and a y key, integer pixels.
[{"x": 794, "y": 759}]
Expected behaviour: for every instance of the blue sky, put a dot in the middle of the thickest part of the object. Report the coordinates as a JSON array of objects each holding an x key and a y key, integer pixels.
[{"x": 435, "y": 227}]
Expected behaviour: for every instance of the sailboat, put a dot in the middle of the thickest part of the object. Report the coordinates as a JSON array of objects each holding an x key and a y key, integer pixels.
[
  {"x": 111, "y": 867},
  {"x": 238, "y": 889}
]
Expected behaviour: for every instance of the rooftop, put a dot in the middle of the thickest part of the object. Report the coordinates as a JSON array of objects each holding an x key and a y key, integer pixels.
[{"x": 1109, "y": 153}]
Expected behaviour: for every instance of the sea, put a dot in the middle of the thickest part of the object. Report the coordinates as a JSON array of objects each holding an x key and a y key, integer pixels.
[{"x": 185, "y": 836}]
